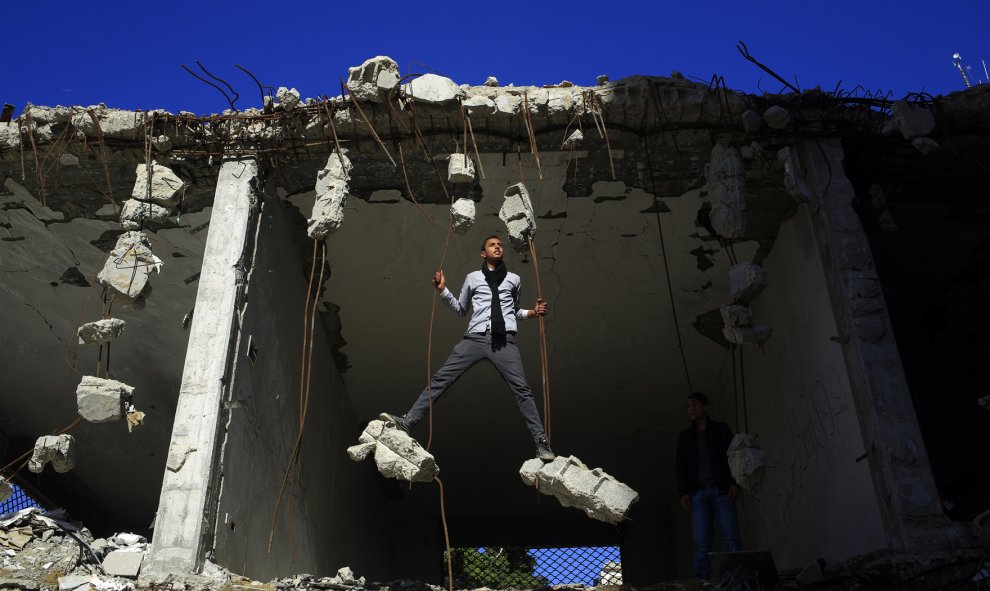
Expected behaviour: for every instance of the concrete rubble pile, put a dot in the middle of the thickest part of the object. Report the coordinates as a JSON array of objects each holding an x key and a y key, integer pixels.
[
  {"x": 100, "y": 332},
  {"x": 331, "y": 196},
  {"x": 397, "y": 455},
  {"x": 747, "y": 462},
  {"x": 517, "y": 213},
  {"x": 47, "y": 551},
  {"x": 60, "y": 450},
  {"x": 739, "y": 329},
  {"x": 595, "y": 492}
]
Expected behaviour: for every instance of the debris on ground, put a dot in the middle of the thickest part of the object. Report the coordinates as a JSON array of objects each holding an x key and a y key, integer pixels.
[{"x": 396, "y": 453}]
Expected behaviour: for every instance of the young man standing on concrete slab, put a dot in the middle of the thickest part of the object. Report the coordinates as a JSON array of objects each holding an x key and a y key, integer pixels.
[
  {"x": 706, "y": 486},
  {"x": 493, "y": 296}
]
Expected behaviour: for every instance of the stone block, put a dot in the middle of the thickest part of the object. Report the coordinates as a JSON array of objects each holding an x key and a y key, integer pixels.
[
  {"x": 747, "y": 462},
  {"x": 120, "y": 563},
  {"x": 137, "y": 214},
  {"x": 430, "y": 88},
  {"x": 777, "y": 117},
  {"x": 101, "y": 400},
  {"x": 129, "y": 266},
  {"x": 726, "y": 191},
  {"x": 70, "y": 582},
  {"x": 491, "y": 81},
  {"x": 60, "y": 450},
  {"x": 595, "y": 492},
  {"x": 517, "y": 213},
  {"x": 746, "y": 281},
  {"x": 508, "y": 104},
  {"x": 397, "y": 455},
  {"x": 373, "y": 79},
  {"x": 462, "y": 214},
  {"x": 912, "y": 121},
  {"x": 925, "y": 145},
  {"x": 288, "y": 98},
  {"x": 479, "y": 104},
  {"x": 67, "y": 159},
  {"x": 165, "y": 185},
  {"x": 793, "y": 176},
  {"x": 332, "y": 183},
  {"x": 100, "y": 332},
  {"x": 460, "y": 169},
  {"x": 752, "y": 121},
  {"x": 601, "y": 80}
]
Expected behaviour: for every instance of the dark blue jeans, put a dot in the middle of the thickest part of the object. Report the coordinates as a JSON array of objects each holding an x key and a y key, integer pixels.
[{"x": 707, "y": 505}]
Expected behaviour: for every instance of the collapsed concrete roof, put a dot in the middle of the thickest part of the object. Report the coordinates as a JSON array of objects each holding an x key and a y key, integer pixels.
[{"x": 673, "y": 183}]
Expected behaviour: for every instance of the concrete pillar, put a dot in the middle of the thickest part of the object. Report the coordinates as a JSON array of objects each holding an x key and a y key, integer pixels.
[
  {"x": 186, "y": 510},
  {"x": 902, "y": 475}
]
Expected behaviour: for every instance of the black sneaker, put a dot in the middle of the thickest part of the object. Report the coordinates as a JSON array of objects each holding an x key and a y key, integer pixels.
[
  {"x": 543, "y": 450},
  {"x": 398, "y": 421}
]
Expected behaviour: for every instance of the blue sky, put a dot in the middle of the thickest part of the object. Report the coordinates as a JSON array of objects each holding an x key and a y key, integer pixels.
[{"x": 127, "y": 55}]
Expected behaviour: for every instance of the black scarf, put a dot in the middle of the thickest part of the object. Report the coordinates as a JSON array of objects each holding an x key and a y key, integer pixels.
[{"x": 494, "y": 278}]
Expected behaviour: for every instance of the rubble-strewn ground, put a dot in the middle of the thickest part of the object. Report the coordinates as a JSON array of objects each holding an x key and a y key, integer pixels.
[{"x": 48, "y": 552}]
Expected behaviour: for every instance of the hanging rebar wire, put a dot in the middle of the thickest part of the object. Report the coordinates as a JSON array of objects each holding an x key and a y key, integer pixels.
[
  {"x": 305, "y": 373},
  {"x": 224, "y": 82},
  {"x": 412, "y": 196},
  {"x": 34, "y": 150},
  {"x": 744, "y": 51},
  {"x": 371, "y": 127},
  {"x": 103, "y": 157},
  {"x": 198, "y": 77},
  {"x": 544, "y": 358},
  {"x": 446, "y": 536},
  {"x": 470, "y": 128},
  {"x": 528, "y": 120},
  {"x": 261, "y": 89}
]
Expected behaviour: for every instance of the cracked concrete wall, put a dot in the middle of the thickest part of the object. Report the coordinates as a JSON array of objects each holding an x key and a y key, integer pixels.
[{"x": 332, "y": 512}]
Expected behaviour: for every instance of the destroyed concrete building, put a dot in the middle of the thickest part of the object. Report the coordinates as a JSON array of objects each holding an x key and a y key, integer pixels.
[{"x": 272, "y": 267}]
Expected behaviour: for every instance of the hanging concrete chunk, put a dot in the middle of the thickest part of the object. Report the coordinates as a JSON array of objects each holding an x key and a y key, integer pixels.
[
  {"x": 100, "y": 332},
  {"x": 137, "y": 214},
  {"x": 572, "y": 140},
  {"x": 128, "y": 267},
  {"x": 101, "y": 400},
  {"x": 738, "y": 327},
  {"x": 726, "y": 191},
  {"x": 462, "y": 214},
  {"x": 460, "y": 169},
  {"x": 598, "y": 494},
  {"x": 331, "y": 195},
  {"x": 6, "y": 491},
  {"x": 777, "y": 117},
  {"x": 430, "y": 88},
  {"x": 912, "y": 121},
  {"x": 165, "y": 185},
  {"x": 793, "y": 177},
  {"x": 517, "y": 213},
  {"x": 396, "y": 453},
  {"x": 60, "y": 450},
  {"x": 746, "y": 281},
  {"x": 925, "y": 145},
  {"x": 747, "y": 462},
  {"x": 373, "y": 79}
]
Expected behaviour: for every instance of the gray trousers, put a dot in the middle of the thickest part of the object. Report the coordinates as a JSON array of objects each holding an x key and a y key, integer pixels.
[{"x": 472, "y": 349}]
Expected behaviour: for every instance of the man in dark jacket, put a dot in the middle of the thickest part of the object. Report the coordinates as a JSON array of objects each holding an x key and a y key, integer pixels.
[{"x": 705, "y": 484}]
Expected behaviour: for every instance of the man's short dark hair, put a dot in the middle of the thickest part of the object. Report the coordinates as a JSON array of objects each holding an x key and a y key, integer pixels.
[
  {"x": 700, "y": 397},
  {"x": 485, "y": 243}
]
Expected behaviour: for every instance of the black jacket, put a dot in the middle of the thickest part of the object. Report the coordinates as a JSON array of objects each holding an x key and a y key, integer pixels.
[{"x": 719, "y": 436}]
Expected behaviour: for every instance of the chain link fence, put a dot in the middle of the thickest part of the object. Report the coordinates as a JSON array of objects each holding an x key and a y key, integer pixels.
[
  {"x": 17, "y": 501},
  {"x": 518, "y": 567}
]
